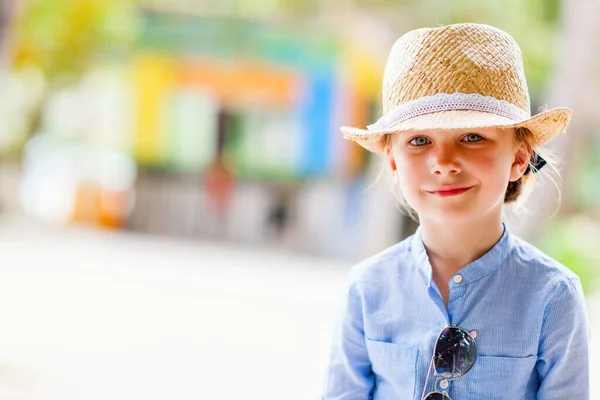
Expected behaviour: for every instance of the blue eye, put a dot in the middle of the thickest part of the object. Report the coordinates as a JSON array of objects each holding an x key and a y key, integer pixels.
[
  {"x": 472, "y": 137},
  {"x": 419, "y": 141}
]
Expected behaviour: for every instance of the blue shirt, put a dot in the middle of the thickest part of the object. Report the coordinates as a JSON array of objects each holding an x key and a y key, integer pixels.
[{"x": 528, "y": 311}]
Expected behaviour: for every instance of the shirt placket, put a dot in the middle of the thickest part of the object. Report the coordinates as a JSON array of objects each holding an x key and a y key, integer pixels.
[{"x": 457, "y": 389}]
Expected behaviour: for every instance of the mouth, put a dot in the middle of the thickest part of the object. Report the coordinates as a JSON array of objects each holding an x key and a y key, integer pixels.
[{"x": 450, "y": 191}]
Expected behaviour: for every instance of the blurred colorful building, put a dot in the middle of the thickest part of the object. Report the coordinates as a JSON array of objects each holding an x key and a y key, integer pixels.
[
  {"x": 270, "y": 97},
  {"x": 234, "y": 129}
]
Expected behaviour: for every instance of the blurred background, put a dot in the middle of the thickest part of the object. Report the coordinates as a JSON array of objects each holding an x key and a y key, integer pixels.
[{"x": 178, "y": 210}]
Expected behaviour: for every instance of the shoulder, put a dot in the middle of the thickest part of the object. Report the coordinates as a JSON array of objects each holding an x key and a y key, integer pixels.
[
  {"x": 542, "y": 270},
  {"x": 530, "y": 257},
  {"x": 383, "y": 265}
]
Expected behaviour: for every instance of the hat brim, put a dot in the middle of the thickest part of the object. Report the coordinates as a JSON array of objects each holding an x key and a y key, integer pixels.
[{"x": 544, "y": 126}]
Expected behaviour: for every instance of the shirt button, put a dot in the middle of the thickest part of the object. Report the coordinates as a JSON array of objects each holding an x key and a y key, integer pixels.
[
  {"x": 444, "y": 384},
  {"x": 457, "y": 279}
]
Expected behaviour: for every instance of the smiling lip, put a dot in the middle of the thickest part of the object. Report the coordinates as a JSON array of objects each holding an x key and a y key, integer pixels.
[{"x": 450, "y": 191}]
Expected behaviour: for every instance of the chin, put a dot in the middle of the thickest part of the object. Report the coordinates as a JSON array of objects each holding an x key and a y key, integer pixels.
[{"x": 451, "y": 213}]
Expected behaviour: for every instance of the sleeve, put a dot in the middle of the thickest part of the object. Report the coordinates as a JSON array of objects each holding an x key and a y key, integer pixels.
[
  {"x": 348, "y": 374},
  {"x": 563, "y": 358}
]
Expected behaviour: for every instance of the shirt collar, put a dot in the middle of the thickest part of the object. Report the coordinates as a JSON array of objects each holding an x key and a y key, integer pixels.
[{"x": 479, "y": 268}]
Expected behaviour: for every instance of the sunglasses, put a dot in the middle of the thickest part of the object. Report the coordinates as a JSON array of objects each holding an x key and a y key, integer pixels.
[{"x": 454, "y": 355}]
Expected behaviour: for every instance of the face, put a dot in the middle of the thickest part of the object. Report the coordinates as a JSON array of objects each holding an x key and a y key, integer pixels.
[{"x": 456, "y": 175}]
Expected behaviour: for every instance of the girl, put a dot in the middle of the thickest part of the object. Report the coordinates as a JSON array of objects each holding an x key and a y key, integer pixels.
[{"x": 463, "y": 309}]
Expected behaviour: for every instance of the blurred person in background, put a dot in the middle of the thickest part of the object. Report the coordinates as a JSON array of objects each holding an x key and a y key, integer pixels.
[
  {"x": 219, "y": 182},
  {"x": 460, "y": 142}
]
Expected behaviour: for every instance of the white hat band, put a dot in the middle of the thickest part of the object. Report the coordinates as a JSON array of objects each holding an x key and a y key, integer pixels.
[{"x": 448, "y": 102}]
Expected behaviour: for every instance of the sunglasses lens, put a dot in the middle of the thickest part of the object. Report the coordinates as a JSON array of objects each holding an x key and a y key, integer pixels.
[
  {"x": 436, "y": 396},
  {"x": 455, "y": 353}
]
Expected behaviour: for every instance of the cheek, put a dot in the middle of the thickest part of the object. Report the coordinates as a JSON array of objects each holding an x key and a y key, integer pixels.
[
  {"x": 410, "y": 175},
  {"x": 485, "y": 164},
  {"x": 492, "y": 169},
  {"x": 407, "y": 161}
]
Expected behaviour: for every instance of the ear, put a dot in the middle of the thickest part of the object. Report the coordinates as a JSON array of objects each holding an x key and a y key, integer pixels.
[
  {"x": 391, "y": 159},
  {"x": 520, "y": 163}
]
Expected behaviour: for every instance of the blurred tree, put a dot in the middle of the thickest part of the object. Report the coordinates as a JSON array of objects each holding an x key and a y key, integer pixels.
[
  {"x": 574, "y": 84},
  {"x": 6, "y": 12},
  {"x": 63, "y": 38}
]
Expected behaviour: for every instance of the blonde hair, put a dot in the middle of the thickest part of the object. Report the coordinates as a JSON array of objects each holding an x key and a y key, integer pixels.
[{"x": 516, "y": 193}]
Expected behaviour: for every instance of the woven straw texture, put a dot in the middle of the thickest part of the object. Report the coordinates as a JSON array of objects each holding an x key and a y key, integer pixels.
[{"x": 461, "y": 58}]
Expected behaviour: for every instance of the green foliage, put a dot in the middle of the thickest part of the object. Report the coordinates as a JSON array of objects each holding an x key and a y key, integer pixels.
[
  {"x": 573, "y": 241},
  {"x": 62, "y": 37}
]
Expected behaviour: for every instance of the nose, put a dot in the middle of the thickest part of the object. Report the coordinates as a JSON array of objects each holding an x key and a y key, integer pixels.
[{"x": 445, "y": 162}]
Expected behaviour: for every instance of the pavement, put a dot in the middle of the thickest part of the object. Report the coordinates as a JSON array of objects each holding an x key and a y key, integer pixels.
[{"x": 92, "y": 314}]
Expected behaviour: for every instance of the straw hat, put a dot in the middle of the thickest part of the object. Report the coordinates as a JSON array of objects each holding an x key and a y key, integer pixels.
[{"x": 456, "y": 77}]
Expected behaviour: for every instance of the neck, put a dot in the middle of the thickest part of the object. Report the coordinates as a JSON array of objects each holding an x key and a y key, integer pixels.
[{"x": 451, "y": 247}]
